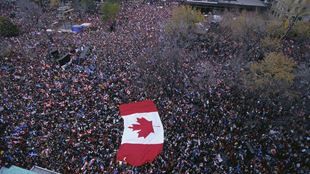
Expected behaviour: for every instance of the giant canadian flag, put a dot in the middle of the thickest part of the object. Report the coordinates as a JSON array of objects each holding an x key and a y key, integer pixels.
[{"x": 143, "y": 135}]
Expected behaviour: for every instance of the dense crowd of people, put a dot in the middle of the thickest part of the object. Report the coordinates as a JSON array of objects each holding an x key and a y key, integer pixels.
[{"x": 67, "y": 119}]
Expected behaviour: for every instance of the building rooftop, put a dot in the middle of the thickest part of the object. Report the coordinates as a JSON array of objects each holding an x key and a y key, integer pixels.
[{"x": 250, "y": 3}]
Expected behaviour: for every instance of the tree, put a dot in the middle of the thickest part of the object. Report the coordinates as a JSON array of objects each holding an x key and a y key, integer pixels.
[
  {"x": 88, "y": 5},
  {"x": 247, "y": 28},
  {"x": 272, "y": 76},
  {"x": 110, "y": 10},
  {"x": 47, "y": 3},
  {"x": 7, "y": 28},
  {"x": 292, "y": 10},
  {"x": 161, "y": 68},
  {"x": 270, "y": 44},
  {"x": 301, "y": 30},
  {"x": 54, "y": 3},
  {"x": 183, "y": 21},
  {"x": 244, "y": 25},
  {"x": 275, "y": 28}
]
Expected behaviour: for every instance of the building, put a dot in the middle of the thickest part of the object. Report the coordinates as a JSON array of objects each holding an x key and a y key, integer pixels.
[{"x": 228, "y": 4}]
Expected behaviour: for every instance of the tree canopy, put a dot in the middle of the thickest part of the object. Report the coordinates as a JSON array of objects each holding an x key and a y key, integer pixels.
[
  {"x": 7, "y": 28},
  {"x": 273, "y": 73},
  {"x": 110, "y": 10},
  {"x": 183, "y": 19}
]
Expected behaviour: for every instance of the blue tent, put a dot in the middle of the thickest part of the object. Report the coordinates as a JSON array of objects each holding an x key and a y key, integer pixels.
[{"x": 77, "y": 28}]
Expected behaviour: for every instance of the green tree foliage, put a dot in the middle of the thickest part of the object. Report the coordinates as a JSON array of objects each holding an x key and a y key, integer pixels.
[
  {"x": 7, "y": 28},
  {"x": 268, "y": 43},
  {"x": 301, "y": 30},
  {"x": 272, "y": 75},
  {"x": 291, "y": 8},
  {"x": 183, "y": 20},
  {"x": 275, "y": 28},
  {"x": 291, "y": 11},
  {"x": 54, "y": 3},
  {"x": 110, "y": 10}
]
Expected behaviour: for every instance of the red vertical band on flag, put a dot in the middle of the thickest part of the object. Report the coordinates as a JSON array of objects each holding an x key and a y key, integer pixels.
[{"x": 138, "y": 107}]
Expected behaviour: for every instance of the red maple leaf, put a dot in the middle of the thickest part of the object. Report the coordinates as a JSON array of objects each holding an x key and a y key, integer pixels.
[{"x": 144, "y": 127}]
